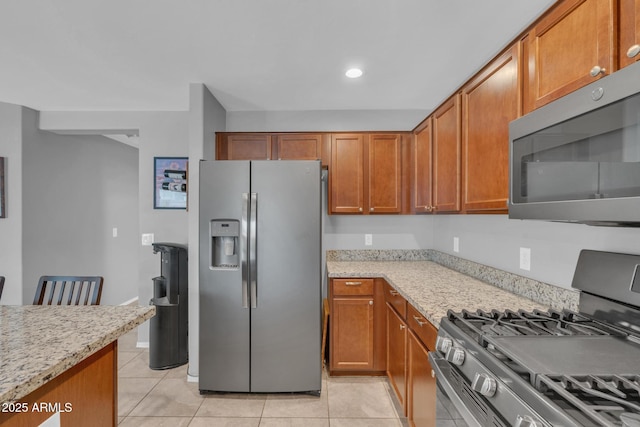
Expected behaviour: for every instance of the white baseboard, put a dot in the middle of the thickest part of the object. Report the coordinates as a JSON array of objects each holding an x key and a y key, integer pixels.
[
  {"x": 192, "y": 379},
  {"x": 131, "y": 301}
]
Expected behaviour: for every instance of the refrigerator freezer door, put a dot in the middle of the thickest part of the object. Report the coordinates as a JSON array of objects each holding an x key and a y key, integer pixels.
[
  {"x": 285, "y": 323},
  {"x": 224, "y": 323}
]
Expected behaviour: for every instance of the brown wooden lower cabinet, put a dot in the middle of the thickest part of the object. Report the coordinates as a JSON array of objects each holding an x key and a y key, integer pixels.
[
  {"x": 374, "y": 331},
  {"x": 85, "y": 395},
  {"x": 397, "y": 354},
  {"x": 421, "y": 399}
]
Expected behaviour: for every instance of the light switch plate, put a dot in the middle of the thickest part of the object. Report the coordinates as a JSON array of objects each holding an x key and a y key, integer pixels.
[
  {"x": 525, "y": 259},
  {"x": 147, "y": 239},
  {"x": 368, "y": 239},
  {"x": 456, "y": 244}
]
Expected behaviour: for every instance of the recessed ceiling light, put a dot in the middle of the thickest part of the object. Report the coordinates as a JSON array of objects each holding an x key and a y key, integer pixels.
[{"x": 353, "y": 73}]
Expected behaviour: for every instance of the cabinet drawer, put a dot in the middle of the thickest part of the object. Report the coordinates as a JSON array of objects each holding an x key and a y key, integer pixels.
[
  {"x": 354, "y": 286},
  {"x": 422, "y": 328},
  {"x": 396, "y": 300}
]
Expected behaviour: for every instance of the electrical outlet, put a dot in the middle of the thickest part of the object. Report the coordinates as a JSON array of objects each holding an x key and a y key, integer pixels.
[
  {"x": 525, "y": 259},
  {"x": 368, "y": 239},
  {"x": 456, "y": 244},
  {"x": 147, "y": 239},
  {"x": 115, "y": 231}
]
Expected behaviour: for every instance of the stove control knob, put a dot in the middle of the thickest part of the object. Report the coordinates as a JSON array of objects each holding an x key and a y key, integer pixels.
[
  {"x": 443, "y": 344},
  {"x": 455, "y": 356},
  {"x": 525, "y": 421},
  {"x": 484, "y": 384}
]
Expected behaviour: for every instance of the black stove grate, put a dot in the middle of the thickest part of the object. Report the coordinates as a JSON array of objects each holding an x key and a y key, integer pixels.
[{"x": 601, "y": 399}]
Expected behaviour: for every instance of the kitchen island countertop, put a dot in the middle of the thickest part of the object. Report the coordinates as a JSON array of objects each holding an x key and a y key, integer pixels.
[
  {"x": 37, "y": 343},
  {"x": 433, "y": 289}
]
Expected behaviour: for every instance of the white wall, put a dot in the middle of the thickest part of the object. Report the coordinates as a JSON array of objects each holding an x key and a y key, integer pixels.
[
  {"x": 328, "y": 121},
  {"x": 11, "y": 226},
  {"x": 206, "y": 116},
  {"x": 76, "y": 189},
  {"x": 495, "y": 240},
  {"x": 388, "y": 231}
]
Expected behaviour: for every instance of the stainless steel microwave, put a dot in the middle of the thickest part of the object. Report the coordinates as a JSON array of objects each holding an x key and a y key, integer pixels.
[{"x": 577, "y": 159}]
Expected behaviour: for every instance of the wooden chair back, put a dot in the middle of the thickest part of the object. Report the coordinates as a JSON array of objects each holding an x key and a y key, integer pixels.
[{"x": 68, "y": 290}]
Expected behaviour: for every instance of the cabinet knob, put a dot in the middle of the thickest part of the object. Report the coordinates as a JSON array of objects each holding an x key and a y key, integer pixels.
[
  {"x": 433, "y": 373},
  {"x": 633, "y": 50},
  {"x": 595, "y": 71},
  {"x": 402, "y": 327},
  {"x": 370, "y": 302},
  {"x": 429, "y": 208},
  {"x": 370, "y": 209},
  {"x": 360, "y": 209}
]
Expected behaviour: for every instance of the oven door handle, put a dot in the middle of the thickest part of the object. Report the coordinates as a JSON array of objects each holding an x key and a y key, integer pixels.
[{"x": 441, "y": 368}]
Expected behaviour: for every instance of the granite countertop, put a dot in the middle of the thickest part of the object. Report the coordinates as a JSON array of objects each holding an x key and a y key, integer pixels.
[
  {"x": 432, "y": 288},
  {"x": 37, "y": 343}
]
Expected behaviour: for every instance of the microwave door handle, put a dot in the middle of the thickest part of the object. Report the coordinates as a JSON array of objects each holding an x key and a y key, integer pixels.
[
  {"x": 253, "y": 249},
  {"x": 244, "y": 247}
]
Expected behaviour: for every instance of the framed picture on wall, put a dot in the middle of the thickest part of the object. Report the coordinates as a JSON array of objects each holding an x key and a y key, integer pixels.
[
  {"x": 170, "y": 182},
  {"x": 3, "y": 191}
]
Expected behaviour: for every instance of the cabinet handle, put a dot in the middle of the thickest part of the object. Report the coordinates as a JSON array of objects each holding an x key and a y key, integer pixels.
[
  {"x": 433, "y": 373},
  {"x": 353, "y": 283},
  {"x": 595, "y": 71},
  {"x": 419, "y": 321},
  {"x": 402, "y": 327},
  {"x": 633, "y": 50},
  {"x": 393, "y": 293}
]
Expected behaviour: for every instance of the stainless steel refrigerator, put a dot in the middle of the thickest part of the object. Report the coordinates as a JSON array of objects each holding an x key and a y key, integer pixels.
[{"x": 260, "y": 276}]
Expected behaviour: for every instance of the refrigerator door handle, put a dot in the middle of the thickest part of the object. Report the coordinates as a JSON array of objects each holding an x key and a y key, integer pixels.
[
  {"x": 253, "y": 249},
  {"x": 244, "y": 247}
]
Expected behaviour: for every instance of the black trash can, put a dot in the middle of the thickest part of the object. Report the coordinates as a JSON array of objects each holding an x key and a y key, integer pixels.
[{"x": 168, "y": 329}]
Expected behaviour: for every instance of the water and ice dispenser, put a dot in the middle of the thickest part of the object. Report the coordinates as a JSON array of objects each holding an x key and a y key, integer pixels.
[
  {"x": 224, "y": 249},
  {"x": 168, "y": 339}
]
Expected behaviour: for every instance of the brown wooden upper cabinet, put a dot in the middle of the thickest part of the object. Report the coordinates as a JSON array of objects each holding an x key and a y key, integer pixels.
[
  {"x": 421, "y": 200},
  {"x": 298, "y": 146},
  {"x": 365, "y": 175},
  {"x": 568, "y": 48},
  {"x": 446, "y": 156},
  {"x": 273, "y": 146},
  {"x": 489, "y": 102},
  {"x": 629, "y": 19},
  {"x": 346, "y": 173},
  {"x": 243, "y": 146}
]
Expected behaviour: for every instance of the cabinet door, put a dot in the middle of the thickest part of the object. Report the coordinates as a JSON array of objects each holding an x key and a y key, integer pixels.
[
  {"x": 299, "y": 147},
  {"x": 346, "y": 173},
  {"x": 421, "y": 168},
  {"x": 629, "y": 44},
  {"x": 352, "y": 337},
  {"x": 489, "y": 102},
  {"x": 397, "y": 354},
  {"x": 246, "y": 146},
  {"x": 446, "y": 156},
  {"x": 564, "y": 47},
  {"x": 384, "y": 173},
  {"x": 421, "y": 401}
]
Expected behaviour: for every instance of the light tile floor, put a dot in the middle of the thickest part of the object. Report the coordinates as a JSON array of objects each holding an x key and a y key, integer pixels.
[{"x": 165, "y": 398}]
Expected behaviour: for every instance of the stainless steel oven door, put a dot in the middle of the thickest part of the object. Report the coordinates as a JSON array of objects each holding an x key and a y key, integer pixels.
[
  {"x": 444, "y": 377},
  {"x": 503, "y": 409}
]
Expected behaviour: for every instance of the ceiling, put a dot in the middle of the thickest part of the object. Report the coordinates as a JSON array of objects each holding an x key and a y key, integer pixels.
[{"x": 264, "y": 55}]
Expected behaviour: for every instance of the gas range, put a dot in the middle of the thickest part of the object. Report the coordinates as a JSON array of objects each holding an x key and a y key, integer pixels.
[{"x": 553, "y": 368}]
